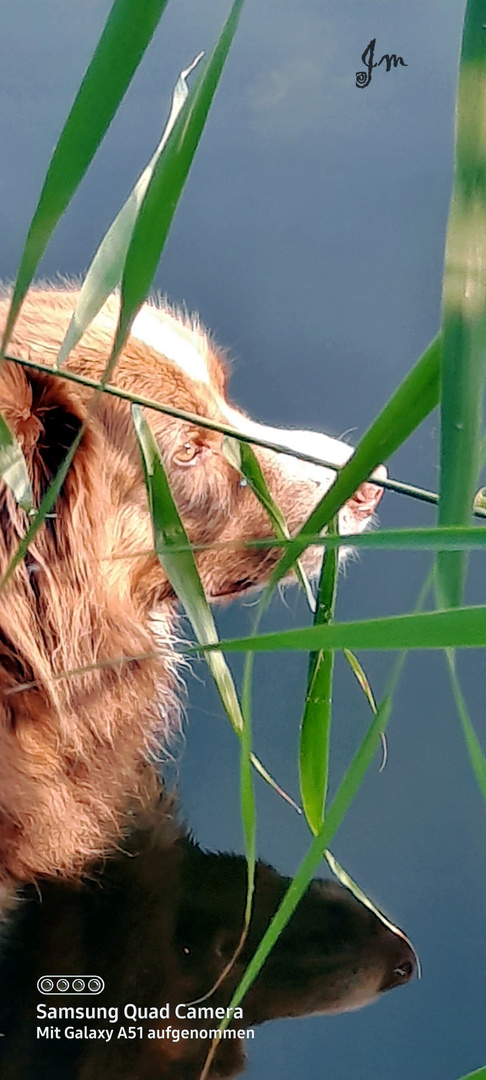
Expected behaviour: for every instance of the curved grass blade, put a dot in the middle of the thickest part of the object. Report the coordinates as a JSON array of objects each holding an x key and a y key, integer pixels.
[
  {"x": 479, "y": 1074},
  {"x": 243, "y": 458},
  {"x": 181, "y": 567},
  {"x": 315, "y": 735},
  {"x": 273, "y": 783},
  {"x": 247, "y": 793},
  {"x": 164, "y": 190},
  {"x": 348, "y": 883},
  {"x": 361, "y": 677},
  {"x": 183, "y": 575},
  {"x": 45, "y": 508},
  {"x": 450, "y": 537},
  {"x": 344, "y": 796},
  {"x": 126, "y": 35},
  {"x": 457, "y": 628},
  {"x": 106, "y": 269},
  {"x": 415, "y": 398},
  {"x": 464, "y": 304},
  {"x": 320, "y": 847},
  {"x": 13, "y": 468}
]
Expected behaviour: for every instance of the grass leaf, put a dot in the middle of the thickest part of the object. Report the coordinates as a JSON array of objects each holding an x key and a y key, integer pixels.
[
  {"x": 166, "y": 184},
  {"x": 461, "y": 627},
  {"x": 242, "y": 457},
  {"x": 415, "y": 398},
  {"x": 348, "y": 883},
  {"x": 126, "y": 35},
  {"x": 181, "y": 567},
  {"x": 106, "y": 269},
  {"x": 478, "y": 1074},
  {"x": 464, "y": 305},
  {"x": 183, "y": 575},
  {"x": 344, "y": 796},
  {"x": 46, "y": 506},
  {"x": 13, "y": 468},
  {"x": 315, "y": 735},
  {"x": 361, "y": 677}
]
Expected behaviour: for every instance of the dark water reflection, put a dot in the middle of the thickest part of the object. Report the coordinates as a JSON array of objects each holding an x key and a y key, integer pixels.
[{"x": 158, "y": 924}]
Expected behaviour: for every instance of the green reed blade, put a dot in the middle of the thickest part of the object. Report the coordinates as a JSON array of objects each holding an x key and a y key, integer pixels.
[
  {"x": 181, "y": 567},
  {"x": 166, "y": 183},
  {"x": 414, "y": 399},
  {"x": 315, "y": 735},
  {"x": 457, "y": 628},
  {"x": 479, "y": 1074},
  {"x": 13, "y": 468},
  {"x": 126, "y": 35},
  {"x": 106, "y": 269},
  {"x": 464, "y": 304},
  {"x": 242, "y": 457}
]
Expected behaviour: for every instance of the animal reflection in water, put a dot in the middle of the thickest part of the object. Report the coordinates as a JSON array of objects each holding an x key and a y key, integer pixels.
[{"x": 158, "y": 923}]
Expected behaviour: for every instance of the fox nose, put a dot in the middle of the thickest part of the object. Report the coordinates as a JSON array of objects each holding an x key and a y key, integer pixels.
[{"x": 402, "y": 965}]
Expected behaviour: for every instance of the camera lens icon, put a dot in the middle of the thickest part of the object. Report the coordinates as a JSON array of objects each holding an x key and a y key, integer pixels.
[{"x": 56, "y": 985}]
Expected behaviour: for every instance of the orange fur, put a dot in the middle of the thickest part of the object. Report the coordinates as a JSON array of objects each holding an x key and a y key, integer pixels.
[{"x": 73, "y": 750}]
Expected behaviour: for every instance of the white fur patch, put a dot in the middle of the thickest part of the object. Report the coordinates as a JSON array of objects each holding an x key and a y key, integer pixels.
[
  {"x": 178, "y": 343},
  {"x": 331, "y": 451}
]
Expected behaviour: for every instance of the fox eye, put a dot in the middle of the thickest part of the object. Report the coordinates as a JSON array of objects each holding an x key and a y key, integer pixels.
[{"x": 187, "y": 454}]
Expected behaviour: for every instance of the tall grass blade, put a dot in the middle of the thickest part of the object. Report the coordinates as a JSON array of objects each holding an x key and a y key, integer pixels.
[
  {"x": 464, "y": 305},
  {"x": 183, "y": 575},
  {"x": 265, "y": 775},
  {"x": 13, "y": 468},
  {"x": 361, "y": 677},
  {"x": 247, "y": 793},
  {"x": 165, "y": 187},
  {"x": 46, "y": 506},
  {"x": 106, "y": 269},
  {"x": 126, "y": 35},
  {"x": 315, "y": 735},
  {"x": 348, "y": 883},
  {"x": 457, "y": 628},
  {"x": 414, "y": 399},
  {"x": 344, "y": 796},
  {"x": 479, "y": 1074},
  {"x": 181, "y": 568},
  {"x": 242, "y": 457}
]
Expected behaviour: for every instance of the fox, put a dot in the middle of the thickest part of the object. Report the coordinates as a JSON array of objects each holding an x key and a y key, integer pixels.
[{"x": 89, "y": 671}]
